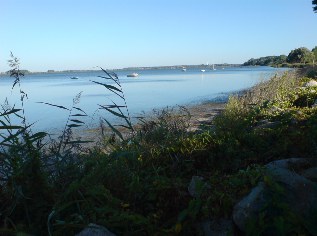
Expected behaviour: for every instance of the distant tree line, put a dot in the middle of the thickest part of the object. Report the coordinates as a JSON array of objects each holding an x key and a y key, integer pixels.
[
  {"x": 21, "y": 71},
  {"x": 297, "y": 56},
  {"x": 266, "y": 61}
]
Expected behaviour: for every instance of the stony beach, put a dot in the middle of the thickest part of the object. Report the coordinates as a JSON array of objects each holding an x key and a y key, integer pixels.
[{"x": 200, "y": 114}]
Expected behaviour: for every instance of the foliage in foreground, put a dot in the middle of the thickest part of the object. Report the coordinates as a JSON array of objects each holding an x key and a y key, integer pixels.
[{"x": 138, "y": 184}]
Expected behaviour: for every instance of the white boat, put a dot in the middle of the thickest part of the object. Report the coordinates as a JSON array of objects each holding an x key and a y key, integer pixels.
[
  {"x": 184, "y": 69},
  {"x": 133, "y": 75},
  {"x": 74, "y": 77},
  {"x": 202, "y": 70},
  {"x": 213, "y": 67}
]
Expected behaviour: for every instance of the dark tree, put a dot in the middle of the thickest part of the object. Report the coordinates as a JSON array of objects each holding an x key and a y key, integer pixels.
[
  {"x": 314, "y": 51},
  {"x": 300, "y": 55},
  {"x": 315, "y": 5},
  {"x": 266, "y": 61}
]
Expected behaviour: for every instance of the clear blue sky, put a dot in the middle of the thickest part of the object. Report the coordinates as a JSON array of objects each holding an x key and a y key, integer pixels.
[{"x": 81, "y": 34}]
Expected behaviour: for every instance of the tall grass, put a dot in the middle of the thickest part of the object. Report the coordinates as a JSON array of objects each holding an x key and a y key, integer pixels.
[
  {"x": 25, "y": 189},
  {"x": 114, "y": 108}
]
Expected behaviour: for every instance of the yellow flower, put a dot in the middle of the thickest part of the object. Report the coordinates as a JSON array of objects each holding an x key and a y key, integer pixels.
[
  {"x": 178, "y": 227},
  {"x": 125, "y": 205}
]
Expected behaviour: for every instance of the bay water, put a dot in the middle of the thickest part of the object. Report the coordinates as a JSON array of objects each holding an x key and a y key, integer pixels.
[{"x": 152, "y": 89}]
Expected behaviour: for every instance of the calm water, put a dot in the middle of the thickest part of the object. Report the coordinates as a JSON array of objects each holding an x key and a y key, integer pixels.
[{"x": 152, "y": 89}]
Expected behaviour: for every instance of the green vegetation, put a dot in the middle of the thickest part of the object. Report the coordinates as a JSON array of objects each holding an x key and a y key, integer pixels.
[
  {"x": 136, "y": 182},
  {"x": 314, "y": 51},
  {"x": 299, "y": 57},
  {"x": 266, "y": 61}
]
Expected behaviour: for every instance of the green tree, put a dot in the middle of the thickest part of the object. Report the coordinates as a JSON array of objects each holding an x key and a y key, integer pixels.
[
  {"x": 315, "y": 5},
  {"x": 266, "y": 61},
  {"x": 300, "y": 55},
  {"x": 314, "y": 51}
]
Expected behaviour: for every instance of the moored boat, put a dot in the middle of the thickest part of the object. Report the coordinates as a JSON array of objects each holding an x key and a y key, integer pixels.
[{"x": 133, "y": 75}]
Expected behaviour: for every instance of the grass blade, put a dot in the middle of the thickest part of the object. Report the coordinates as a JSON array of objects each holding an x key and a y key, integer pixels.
[
  {"x": 77, "y": 108},
  {"x": 77, "y": 121},
  {"x": 117, "y": 132},
  {"x": 116, "y": 113},
  {"x": 10, "y": 112},
  {"x": 10, "y": 127},
  {"x": 110, "y": 87},
  {"x": 79, "y": 142},
  {"x": 38, "y": 136},
  {"x": 124, "y": 126},
  {"x": 73, "y": 125},
  {"x": 12, "y": 136},
  {"x": 112, "y": 106},
  {"x": 53, "y": 105},
  {"x": 79, "y": 115}
]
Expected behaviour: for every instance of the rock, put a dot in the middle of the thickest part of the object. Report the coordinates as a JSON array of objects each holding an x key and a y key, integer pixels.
[
  {"x": 310, "y": 174},
  {"x": 95, "y": 230},
  {"x": 300, "y": 195},
  {"x": 265, "y": 124},
  {"x": 315, "y": 103},
  {"x": 275, "y": 108},
  {"x": 311, "y": 83},
  {"x": 297, "y": 194},
  {"x": 249, "y": 207},
  {"x": 195, "y": 186},
  {"x": 219, "y": 227},
  {"x": 291, "y": 163}
]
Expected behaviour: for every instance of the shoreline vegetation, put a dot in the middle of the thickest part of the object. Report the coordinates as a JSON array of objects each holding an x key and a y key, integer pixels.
[
  {"x": 196, "y": 171},
  {"x": 298, "y": 58}
]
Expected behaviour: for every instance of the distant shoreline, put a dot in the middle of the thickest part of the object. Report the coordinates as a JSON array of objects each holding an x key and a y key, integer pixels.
[{"x": 130, "y": 68}]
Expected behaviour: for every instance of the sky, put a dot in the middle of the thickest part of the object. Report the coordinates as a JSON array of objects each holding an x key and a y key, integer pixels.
[{"x": 81, "y": 34}]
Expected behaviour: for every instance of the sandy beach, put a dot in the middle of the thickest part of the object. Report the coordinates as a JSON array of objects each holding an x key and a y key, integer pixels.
[{"x": 202, "y": 114}]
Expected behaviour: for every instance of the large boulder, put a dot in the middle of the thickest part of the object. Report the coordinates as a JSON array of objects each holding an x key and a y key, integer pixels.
[
  {"x": 310, "y": 174},
  {"x": 286, "y": 191},
  {"x": 217, "y": 227},
  {"x": 249, "y": 207}
]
